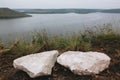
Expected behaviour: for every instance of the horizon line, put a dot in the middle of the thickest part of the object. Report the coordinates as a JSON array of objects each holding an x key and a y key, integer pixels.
[{"x": 60, "y": 8}]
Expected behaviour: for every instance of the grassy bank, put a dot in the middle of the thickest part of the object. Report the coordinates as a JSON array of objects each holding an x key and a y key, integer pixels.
[{"x": 102, "y": 40}]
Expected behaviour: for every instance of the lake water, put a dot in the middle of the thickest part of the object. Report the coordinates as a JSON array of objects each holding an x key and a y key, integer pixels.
[{"x": 55, "y": 23}]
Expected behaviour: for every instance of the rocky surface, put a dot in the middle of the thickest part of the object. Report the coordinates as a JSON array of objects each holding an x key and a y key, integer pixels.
[
  {"x": 84, "y": 63},
  {"x": 38, "y": 64}
]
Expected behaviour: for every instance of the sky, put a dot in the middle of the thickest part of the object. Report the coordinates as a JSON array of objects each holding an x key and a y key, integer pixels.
[{"x": 43, "y": 4}]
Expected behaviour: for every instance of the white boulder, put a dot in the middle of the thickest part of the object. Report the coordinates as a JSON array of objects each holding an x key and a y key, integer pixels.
[
  {"x": 38, "y": 64},
  {"x": 84, "y": 63}
]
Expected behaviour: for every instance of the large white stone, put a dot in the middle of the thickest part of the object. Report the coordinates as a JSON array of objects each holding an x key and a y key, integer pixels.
[
  {"x": 38, "y": 64},
  {"x": 84, "y": 63}
]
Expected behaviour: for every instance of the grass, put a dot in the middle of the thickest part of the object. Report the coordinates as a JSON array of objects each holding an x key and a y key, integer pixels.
[{"x": 102, "y": 40}]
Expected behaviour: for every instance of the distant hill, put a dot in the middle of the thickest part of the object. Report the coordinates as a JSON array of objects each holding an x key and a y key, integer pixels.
[
  {"x": 57, "y": 11},
  {"x": 111, "y": 11},
  {"x": 9, "y": 13}
]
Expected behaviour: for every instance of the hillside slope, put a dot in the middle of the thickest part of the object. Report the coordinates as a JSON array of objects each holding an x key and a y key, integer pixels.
[{"x": 8, "y": 13}]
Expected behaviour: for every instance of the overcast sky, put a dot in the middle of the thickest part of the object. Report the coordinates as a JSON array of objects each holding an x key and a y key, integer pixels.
[{"x": 60, "y": 3}]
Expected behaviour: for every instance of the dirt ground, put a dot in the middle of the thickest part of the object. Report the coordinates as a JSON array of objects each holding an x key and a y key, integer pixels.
[{"x": 7, "y": 72}]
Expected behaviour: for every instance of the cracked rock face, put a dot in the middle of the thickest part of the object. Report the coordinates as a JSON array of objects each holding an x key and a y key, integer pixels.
[
  {"x": 38, "y": 64},
  {"x": 84, "y": 63}
]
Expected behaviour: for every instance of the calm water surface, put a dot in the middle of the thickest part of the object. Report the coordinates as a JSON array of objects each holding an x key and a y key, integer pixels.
[{"x": 55, "y": 23}]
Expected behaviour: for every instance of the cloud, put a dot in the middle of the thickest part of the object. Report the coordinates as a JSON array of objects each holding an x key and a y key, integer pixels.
[{"x": 60, "y": 3}]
